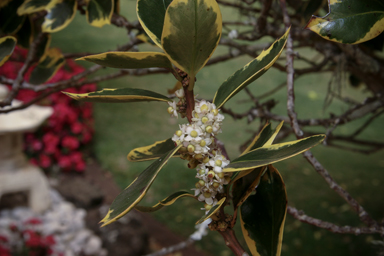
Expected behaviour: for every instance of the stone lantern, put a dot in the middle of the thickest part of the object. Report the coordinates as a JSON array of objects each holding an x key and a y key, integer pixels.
[{"x": 16, "y": 174}]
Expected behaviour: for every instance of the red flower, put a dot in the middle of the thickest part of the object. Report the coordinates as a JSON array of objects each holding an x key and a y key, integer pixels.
[
  {"x": 65, "y": 162},
  {"x": 76, "y": 128},
  {"x": 33, "y": 221},
  {"x": 70, "y": 142},
  {"x": 80, "y": 166},
  {"x": 51, "y": 142},
  {"x": 37, "y": 145},
  {"x": 45, "y": 161}
]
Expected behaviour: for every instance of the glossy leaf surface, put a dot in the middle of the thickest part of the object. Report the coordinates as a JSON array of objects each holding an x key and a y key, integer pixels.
[
  {"x": 133, "y": 194},
  {"x": 47, "y": 67},
  {"x": 99, "y": 12},
  {"x": 350, "y": 21},
  {"x": 119, "y": 95},
  {"x": 212, "y": 211},
  {"x": 250, "y": 72},
  {"x": 243, "y": 187},
  {"x": 10, "y": 22},
  {"x": 192, "y": 30},
  {"x": 262, "y": 215},
  {"x": 273, "y": 153},
  {"x": 151, "y": 152},
  {"x": 130, "y": 59},
  {"x": 31, "y": 6},
  {"x": 59, "y": 15},
  {"x": 151, "y": 16},
  {"x": 7, "y": 45},
  {"x": 165, "y": 202}
]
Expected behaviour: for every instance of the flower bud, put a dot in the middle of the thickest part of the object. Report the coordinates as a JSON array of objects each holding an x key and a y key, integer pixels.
[
  {"x": 197, "y": 185},
  {"x": 191, "y": 148},
  {"x": 211, "y": 174},
  {"x": 215, "y": 112},
  {"x": 192, "y": 164},
  {"x": 208, "y": 129},
  {"x": 202, "y": 171},
  {"x": 170, "y": 110},
  {"x": 179, "y": 133},
  {"x": 198, "y": 156},
  {"x": 221, "y": 175},
  {"x": 208, "y": 207},
  {"x": 216, "y": 185},
  {"x": 207, "y": 194}
]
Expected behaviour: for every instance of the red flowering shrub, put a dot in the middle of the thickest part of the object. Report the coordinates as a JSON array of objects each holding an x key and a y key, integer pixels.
[{"x": 62, "y": 139}]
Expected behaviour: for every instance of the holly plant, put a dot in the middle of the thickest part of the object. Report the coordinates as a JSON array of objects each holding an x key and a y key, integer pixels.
[{"x": 187, "y": 32}]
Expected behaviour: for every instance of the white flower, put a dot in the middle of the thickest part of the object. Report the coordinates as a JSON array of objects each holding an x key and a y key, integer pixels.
[
  {"x": 203, "y": 107},
  {"x": 233, "y": 34},
  {"x": 172, "y": 109},
  {"x": 218, "y": 162},
  {"x": 193, "y": 133},
  {"x": 180, "y": 93}
]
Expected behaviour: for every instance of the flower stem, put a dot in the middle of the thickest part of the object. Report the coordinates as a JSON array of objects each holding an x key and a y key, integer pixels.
[
  {"x": 190, "y": 102},
  {"x": 232, "y": 242}
]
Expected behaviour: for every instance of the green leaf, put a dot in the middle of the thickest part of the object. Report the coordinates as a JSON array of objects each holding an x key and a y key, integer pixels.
[
  {"x": 7, "y": 45},
  {"x": 99, "y": 12},
  {"x": 119, "y": 95},
  {"x": 59, "y": 15},
  {"x": 192, "y": 30},
  {"x": 151, "y": 16},
  {"x": 165, "y": 202},
  {"x": 212, "y": 211},
  {"x": 262, "y": 215},
  {"x": 350, "y": 21},
  {"x": 130, "y": 59},
  {"x": 250, "y": 72},
  {"x": 243, "y": 187},
  {"x": 47, "y": 67},
  {"x": 273, "y": 153},
  {"x": 151, "y": 152},
  {"x": 31, "y": 6},
  {"x": 133, "y": 194},
  {"x": 10, "y": 22},
  {"x": 25, "y": 34},
  {"x": 43, "y": 47},
  {"x": 264, "y": 138}
]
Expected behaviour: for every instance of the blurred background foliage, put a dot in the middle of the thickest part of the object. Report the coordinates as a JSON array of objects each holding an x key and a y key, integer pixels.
[{"x": 120, "y": 128}]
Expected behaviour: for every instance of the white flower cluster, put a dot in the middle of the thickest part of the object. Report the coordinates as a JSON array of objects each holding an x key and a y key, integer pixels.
[{"x": 199, "y": 148}]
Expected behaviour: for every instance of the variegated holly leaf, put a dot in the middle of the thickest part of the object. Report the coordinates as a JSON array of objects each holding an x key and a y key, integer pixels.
[
  {"x": 262, "y": 215},
  {"x": 10, "y": 22},
  {"x": 31, "y": 6},
  {"x": 7, "y": 45},
  {"x": 264, "y": 138},
  {"x": 130, "y": 59},
  {"x": 243, "y": 187},
  {"x": 99, "y": 12},
  {"x": 135, "y": 192},
  {"x": 212, "y": 211},
  {"x": 59, "y": 15},
  {"x": 250, "y": 72},
  {"x": 151, "y": 152},
  {"x": 47, "y": 67},
  {"x": 119, "y": 95},
  {"x": 25, "y": 34},
  {"x": 272, "y": 154},
  {"x": 151, "y": 16},
  {"x": 350, "y": 21},
  {"x": 165, "y": 202},
  {"x": 43, "y": 47},
  {"x": 192, "y": 30}
]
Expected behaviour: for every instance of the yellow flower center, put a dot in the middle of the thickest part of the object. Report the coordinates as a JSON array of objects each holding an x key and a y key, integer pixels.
[
  {"x": 204, "y": 107},
  {"x": 207, "y": 194},
  {"x": 215, "y": 184},
  {"x": 204, "y": 119},
  {"x": 206, "y": 160},
  {"x": 194, "y": 134},
  {"x": 221, "y": 175},
  {"x": 179, "y": 133},
  {"x": 208, "y": 129},
  {"x": 203, "y": 143},
  {"x": 208, "y": 207},
  {"x": 215, "y": 112},
  {"x": 201, "y": 183},
  {"x": 170, "y": 110},
  {"x": 201, "y": 172},
  {"x": 211, "y": 174},
  {"x": 218, "y": 162},
  {"x": 191, "y": 148},
  {"x": 198, "y": 156}
]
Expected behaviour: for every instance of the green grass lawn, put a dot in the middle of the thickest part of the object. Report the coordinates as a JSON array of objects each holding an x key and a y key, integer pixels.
[{"x": 122, "y": 127}]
